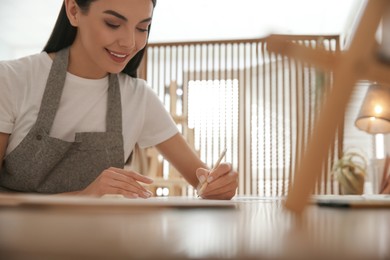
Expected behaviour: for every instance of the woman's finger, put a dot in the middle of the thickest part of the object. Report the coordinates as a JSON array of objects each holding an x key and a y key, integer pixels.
[
  {"x": 202, "y": 174},
  {"x": 225, "y": 184},
  {"x": 221, "y": 170},
  {"x": 225, "y": 192},
  {"x": 136, "y": 176},
  {"x": 125, "y": 178},
  {"x": 129, "y": 189},
  {"x": 122, "y": 183}
]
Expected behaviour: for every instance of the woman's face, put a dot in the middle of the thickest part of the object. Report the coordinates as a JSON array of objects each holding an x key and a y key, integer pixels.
[{"x": 108, "y": 35}]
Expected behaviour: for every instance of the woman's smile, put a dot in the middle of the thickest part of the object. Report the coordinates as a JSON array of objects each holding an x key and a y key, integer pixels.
[{"x": 117, "y": 56}]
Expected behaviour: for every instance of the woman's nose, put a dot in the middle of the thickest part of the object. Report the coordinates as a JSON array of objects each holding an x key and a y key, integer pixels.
[{"x": 128, "y": 40}]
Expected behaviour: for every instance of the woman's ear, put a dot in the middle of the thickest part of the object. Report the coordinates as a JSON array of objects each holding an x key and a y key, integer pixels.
[{"x": 72, "y": 11}]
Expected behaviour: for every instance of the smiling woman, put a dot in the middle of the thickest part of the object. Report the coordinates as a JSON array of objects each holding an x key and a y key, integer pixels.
[
  {"x": 98, "y": 28},
  {"x": 71, "y": 115}
]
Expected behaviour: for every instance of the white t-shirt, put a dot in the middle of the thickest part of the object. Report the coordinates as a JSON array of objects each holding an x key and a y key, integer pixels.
[{"x": 83, "y": 105}]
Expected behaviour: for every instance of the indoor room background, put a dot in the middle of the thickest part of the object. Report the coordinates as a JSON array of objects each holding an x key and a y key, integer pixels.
[{"x": 208, "y": 63}]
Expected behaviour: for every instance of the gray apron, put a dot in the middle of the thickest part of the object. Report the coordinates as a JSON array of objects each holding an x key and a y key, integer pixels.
[{"x": 44, "y": 164}]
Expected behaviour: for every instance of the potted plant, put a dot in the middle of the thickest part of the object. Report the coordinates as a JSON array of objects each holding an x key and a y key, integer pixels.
[{"x": 350, "y": 171}]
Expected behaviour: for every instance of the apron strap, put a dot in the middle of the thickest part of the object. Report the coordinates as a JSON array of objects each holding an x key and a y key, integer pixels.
[
  {"x": 114, "y": 106},
  {"x": 53, "y": 91}
]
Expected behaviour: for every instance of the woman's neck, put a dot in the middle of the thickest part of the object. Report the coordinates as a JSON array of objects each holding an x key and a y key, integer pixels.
[{"x": 81, "y": 66}]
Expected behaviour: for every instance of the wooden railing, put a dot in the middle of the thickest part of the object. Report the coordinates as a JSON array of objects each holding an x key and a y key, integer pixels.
[{"x": 260, "y": 106}]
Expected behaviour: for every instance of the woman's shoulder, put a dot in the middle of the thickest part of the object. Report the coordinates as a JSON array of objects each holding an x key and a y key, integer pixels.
[
  {"x": 21, "y": 65},
  {"x": 131, "y": 81},
  {"x": 134, "y": 85}
]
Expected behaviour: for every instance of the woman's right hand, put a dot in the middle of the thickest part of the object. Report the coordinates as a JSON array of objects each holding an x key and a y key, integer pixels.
[{"x": 118, "y": 181}]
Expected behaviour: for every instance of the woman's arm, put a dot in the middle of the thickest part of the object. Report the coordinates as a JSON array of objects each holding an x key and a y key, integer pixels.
[
  {"x": 222, "y": 182},
  {"x": 177, "y": 151},
  {"x": 3, "y": 146}
]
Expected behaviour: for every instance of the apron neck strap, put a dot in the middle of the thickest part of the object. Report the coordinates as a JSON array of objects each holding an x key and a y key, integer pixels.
[
  {"x": 54, "y": 86},
  {"x": 114, "y": 105}
]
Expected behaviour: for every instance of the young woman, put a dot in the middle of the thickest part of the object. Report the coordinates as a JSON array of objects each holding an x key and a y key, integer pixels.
[{"x": 71, "y": 115}]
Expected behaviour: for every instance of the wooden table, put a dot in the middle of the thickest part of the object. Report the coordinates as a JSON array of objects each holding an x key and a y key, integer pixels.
[{"x": 252, "y": 228}]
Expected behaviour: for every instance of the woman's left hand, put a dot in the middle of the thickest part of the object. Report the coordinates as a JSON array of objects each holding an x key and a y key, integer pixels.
[{"x": 222, "y": 182}]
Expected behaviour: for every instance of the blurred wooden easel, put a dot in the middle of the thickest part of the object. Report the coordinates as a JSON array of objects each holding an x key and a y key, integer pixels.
[{"x": 361, "y": 61}]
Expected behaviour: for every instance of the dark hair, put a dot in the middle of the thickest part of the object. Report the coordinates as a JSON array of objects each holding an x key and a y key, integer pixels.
[{"x": 64, "y": 34}]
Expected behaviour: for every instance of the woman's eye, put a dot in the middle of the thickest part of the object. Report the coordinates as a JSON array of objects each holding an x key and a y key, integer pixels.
[
  {"x": 142, "y": 30},
  {"x": 112, "y": 25}
]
